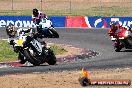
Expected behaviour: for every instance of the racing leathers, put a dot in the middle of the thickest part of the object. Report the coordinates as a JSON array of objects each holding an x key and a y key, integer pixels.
[
  {"x": 113, "y": 31},
  {"x": 19, "y": 32},
  {"x": 11, "y": 40},
  {"x": 36, "y": 20}
]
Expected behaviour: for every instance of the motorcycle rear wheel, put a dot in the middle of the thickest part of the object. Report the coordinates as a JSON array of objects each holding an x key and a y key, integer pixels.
[
  {"x": 118, "y": 48},
  {"x": 51, "y": 59},
  {"x": 129, "y": 40}
]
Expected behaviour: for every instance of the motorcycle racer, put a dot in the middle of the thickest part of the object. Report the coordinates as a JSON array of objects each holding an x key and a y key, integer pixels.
[
  {"x": 13, "y": 33},
  {"x": 43, "y": 25},
  {"x": 114, "y": 27},
  {"x": 121, "y": 36},
  {"x": 25, "y": 42},
  {"x": 37, "y": 16},
  {"x": 113, "y": 31}
]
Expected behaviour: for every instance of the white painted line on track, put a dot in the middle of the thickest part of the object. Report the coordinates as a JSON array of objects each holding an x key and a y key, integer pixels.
[{"x": 4, "y": 39}]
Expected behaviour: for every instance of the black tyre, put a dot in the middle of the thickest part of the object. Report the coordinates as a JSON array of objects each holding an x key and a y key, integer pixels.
[
  {"x": 51, "y": 59},
  {"x": 54, "y": 33},
  {"x": 129, "y": 41},
  {"x": 118, "y": 48},
  {"x": 31, "y": 58},
  {"x": 21, "y": 59}
]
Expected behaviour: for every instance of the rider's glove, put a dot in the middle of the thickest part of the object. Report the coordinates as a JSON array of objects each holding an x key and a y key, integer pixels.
[{"x": 11, "y": 42}]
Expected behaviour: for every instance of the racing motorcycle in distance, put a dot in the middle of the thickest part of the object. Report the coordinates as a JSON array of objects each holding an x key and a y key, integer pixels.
[
  {"x": 31, "y": 50},
  {"x": 122, "y": 39},
  {"x": 46, "y": 28}
]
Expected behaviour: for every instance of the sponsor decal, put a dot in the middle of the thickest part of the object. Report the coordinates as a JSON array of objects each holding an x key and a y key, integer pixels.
[
  {"x": 87, "y": 22},
  {"x": 26, "y": 21},
  {"x": 101, "y": 22},
  {"x": 76, "y": 21},
  {"x": 17, "y": 23},
  {"x": 85, "y": 80},
  {"x": 122, "y": 22},
  {"x": 67, "y": 21}
]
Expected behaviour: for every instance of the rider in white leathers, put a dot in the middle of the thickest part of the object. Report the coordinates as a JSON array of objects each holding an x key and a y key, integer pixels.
[{"x": 14, "y": 33}]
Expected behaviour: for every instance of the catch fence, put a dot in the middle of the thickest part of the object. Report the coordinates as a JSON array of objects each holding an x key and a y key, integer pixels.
[{"x": 68, "y": 7}]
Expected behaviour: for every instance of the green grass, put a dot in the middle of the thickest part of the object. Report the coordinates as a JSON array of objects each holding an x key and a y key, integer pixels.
[
  {"x": 58, "y": 50},
  {"x": 93, "y": 11},
  {"x": 7, "y": 53}
]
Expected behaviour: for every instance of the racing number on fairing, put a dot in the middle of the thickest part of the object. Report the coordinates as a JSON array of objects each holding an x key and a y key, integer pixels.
[{"x": 37, "y": 47}]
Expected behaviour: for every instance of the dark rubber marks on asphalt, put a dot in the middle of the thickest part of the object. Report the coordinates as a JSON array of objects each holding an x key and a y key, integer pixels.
[{"x": 84, "y": 55}]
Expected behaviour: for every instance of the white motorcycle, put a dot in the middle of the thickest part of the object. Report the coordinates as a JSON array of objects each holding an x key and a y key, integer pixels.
[
  {"x": 46, "y": 28},
  {"x": 33, "y": 51}
]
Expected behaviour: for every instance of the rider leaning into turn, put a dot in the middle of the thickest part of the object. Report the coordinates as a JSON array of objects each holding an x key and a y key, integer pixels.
[
  {"x": 13, "y": 32},
  {"x": 37, "y": 16},
  {"x": 114, "y": 27}
]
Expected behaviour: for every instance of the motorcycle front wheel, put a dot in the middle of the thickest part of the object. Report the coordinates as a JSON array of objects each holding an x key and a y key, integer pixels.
[
  {"x": 21, "y": 58},
  {"x": 53, "y": 33},
  {"x": 51, "y": 59},
  {"x": 33, "y": 60}
]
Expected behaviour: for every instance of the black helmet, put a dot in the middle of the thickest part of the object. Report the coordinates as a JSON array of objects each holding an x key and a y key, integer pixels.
[
  {"x": 11, "y": 30},
  {"x": 113, "y": 25},
  {"x": 35, "y": 12}
]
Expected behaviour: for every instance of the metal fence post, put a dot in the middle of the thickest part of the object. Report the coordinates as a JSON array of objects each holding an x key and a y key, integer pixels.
[
  {"x": 100, "y": 5},
  {"x": 70, "y": 7},
  {"x": 12, "y": 4},
  {"x": 41, "y": 4}
]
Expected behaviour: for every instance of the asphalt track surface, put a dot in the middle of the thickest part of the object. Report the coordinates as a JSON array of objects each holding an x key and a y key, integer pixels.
[{"x": 93, "y": 39}]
